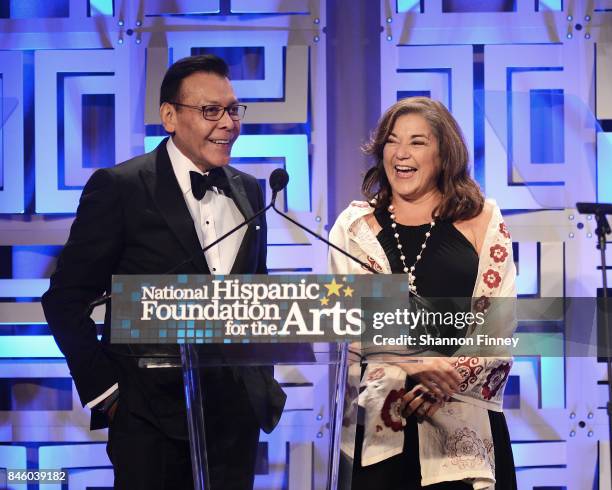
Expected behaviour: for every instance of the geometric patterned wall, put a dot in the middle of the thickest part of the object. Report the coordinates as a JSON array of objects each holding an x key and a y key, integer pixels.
[
  {"x": 520, "y": 77},
  {"x": 79, "y": 90},
  {"x": 528, "y": 80}
]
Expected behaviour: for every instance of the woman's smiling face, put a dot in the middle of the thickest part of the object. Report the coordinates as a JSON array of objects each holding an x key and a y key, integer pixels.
[{"x": 411, "y": 158}]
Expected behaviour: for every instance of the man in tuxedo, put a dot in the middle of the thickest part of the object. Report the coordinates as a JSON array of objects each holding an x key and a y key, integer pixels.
[{"x": 146, "y": 216}]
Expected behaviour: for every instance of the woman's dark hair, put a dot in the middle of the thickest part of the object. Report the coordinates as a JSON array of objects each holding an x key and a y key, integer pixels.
[
  {"x": 461, "y": 196},
  {"x": 171, "y": 85}
]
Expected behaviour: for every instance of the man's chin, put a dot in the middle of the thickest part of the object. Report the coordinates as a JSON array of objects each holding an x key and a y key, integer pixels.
[{"x": 209, "y": 165}]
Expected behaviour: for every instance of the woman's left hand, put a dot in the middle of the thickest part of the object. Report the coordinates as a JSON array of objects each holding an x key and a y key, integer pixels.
[{"x": 421, "y": 403}]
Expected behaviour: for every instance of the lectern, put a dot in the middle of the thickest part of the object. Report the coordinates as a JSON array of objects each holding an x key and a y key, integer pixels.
[
  {"x": 244, "y": 323},
  {"x": 331, "y": 358}
]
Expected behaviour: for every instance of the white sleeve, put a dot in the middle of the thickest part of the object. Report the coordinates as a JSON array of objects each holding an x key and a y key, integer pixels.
[{"x": 103, "y": 396}]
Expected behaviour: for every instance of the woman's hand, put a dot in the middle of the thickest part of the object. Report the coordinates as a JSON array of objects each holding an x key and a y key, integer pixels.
[
  {"x": 420, "y": 403},
  {"x": 437, "y": 374}
]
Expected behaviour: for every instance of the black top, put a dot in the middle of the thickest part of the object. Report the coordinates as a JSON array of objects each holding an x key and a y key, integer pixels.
[{"x": 448, "y": 266}]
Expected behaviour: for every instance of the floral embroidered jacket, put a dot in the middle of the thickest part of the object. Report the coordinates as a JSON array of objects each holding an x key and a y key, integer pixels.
[{"x": 456, "y": 443}]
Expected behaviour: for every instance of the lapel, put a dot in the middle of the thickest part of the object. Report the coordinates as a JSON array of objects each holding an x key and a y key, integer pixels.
[
  {"x": 166, "y": 193},
  {"x": 241, "y": 199}
]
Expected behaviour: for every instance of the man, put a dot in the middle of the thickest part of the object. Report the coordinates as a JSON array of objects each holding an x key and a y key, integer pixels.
[{"x": 147, "y": 216}]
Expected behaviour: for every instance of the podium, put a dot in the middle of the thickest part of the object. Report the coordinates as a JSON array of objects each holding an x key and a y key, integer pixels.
[
  {"x": 331, "y": 358},
  {"x": 310, "y": 363}
]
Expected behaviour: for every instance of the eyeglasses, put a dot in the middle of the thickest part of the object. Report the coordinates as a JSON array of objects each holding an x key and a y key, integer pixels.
[{"x": 215, "y": 112}]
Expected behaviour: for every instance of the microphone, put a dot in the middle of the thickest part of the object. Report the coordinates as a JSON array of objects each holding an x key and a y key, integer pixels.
[
  {"x": 278, "y": 181},
  {"x": 593, "y": 208},
  {"x": 281, "y": 178}
]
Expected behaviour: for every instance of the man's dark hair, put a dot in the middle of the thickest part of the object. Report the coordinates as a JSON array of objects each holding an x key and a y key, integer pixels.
[{"x": 207, "y": 63}]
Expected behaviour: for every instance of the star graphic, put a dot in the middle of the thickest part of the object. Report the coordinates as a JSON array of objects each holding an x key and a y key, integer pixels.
[
  {"x": 348, "y": 291},
  {"x": 333, "y": 288},
  {"x": 324, "y": 301}
]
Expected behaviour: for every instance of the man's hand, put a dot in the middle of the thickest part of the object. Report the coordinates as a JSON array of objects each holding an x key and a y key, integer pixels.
[
  {"x": 437, "y": 374},
  {"x": 110, "y": 413}
]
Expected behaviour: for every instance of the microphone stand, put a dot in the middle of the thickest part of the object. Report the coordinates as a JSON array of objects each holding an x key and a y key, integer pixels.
[
  {"x": 327, "y": 242},
  {"x": 600, "y": 210},
  {"x": 603, "y": 229}
]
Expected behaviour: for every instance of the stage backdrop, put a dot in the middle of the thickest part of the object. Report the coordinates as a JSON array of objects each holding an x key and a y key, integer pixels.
[
  {"x": 531, "y": 85},
  {"x": 530, "y": 82}
]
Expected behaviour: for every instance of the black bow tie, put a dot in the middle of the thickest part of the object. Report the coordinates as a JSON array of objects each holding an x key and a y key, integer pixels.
[{"x": 202, "y": 183}]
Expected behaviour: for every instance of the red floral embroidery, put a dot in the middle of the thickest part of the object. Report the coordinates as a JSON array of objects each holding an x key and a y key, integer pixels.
[
  {"x": 481, "y": 305},
  {"x": 498, "y": 253},
  {"x": 491, "y": 278},
  {"x": 468, "y": 368},
  {"x": 503, "y": 229},
  {"x": 466, "y": 449},
  {"x": 376, "y": 374},
  {"x": 379, "y": 428},
  {"x": 391, "y": 412},
  {"x": 495, "y": 380},
  {"x": 373, "y": 264}
]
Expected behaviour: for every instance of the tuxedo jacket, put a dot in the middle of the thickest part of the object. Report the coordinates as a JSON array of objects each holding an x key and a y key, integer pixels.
[{"x": 133, "y": 219}]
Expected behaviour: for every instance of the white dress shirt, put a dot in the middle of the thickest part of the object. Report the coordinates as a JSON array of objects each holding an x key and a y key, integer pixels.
[{"x": 213, "y": 216}]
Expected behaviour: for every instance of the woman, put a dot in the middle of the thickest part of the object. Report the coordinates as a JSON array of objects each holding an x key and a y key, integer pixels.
[{"x": 438, "y": 422}]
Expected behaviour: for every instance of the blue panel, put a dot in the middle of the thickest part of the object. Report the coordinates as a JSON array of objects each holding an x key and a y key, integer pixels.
[
  {"x": 96, "y": 103},
  {"x": 28, "y": 346},
  {"x": 245, "y": 63},
  {"x": 13, "y": 457},
  {"x": 101, "y": 7},
  {"x": 510, "y": 71},
  {"x": 24, "y": 288},
  {"x": 25, "y": 394},
  {"x": 2, "y": 119},
  {"x": 478, "y": 6},
  {"x": 73, "y": 456},
  {"x": 544, "y": 5},
  {"x": 151, "y": 142},
  {"x": 410, "y": 6},
  {"x": 604, "y": 167},
  {"x": 31, "y": 9},
  {"x": 13, "y": 102},
  {"x": 33, "y": 261},
  {"x": 547, "y": 126},
  {"x": 413, "y": 93},
  {"x": 269, "y": 6},
  {"x": 553, "y": 381},
  {"x": 512, "y": 393},
  {"x": 98, "y": 130}
]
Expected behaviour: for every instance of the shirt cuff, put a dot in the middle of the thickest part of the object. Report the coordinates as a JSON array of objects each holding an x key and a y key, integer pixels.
[{"x": 103, "y": 396}]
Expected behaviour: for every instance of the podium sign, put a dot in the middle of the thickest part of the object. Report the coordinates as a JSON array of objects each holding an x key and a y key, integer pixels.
[{"x": 202, "y": 309}]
